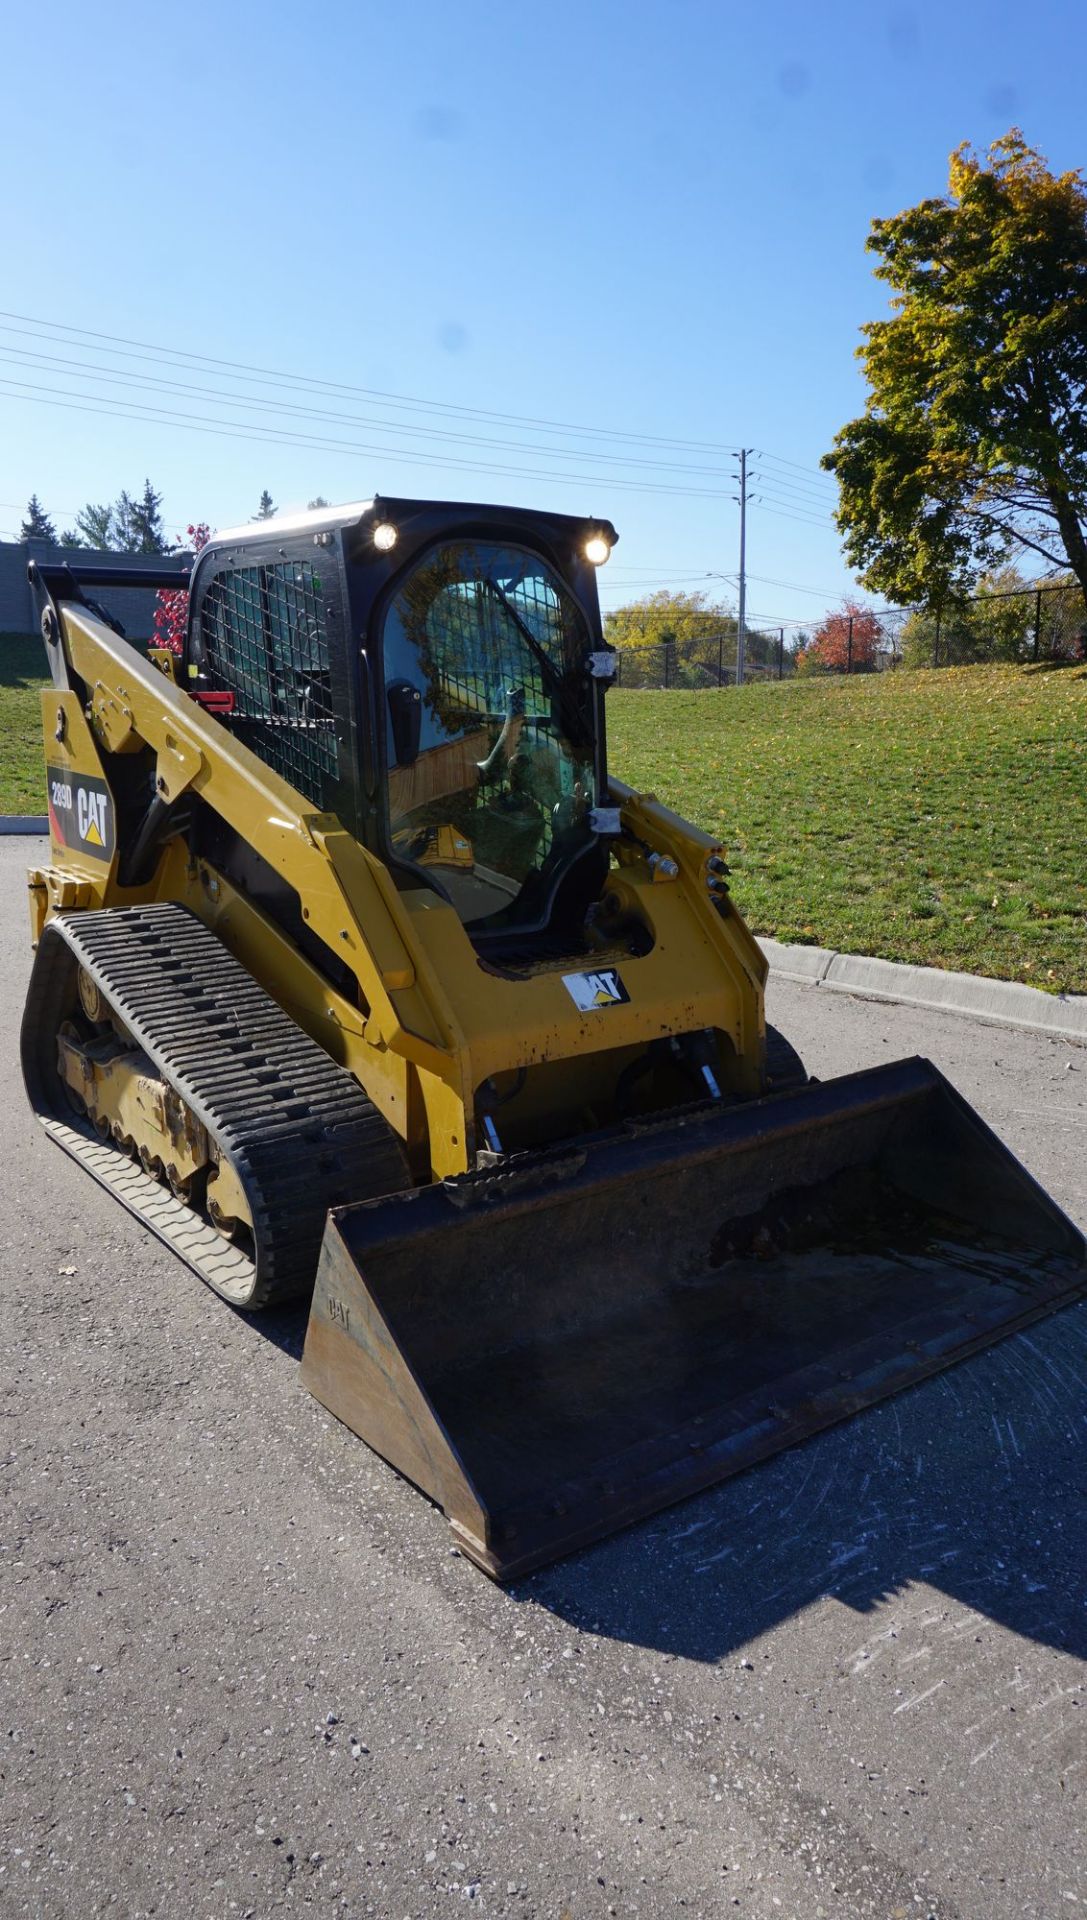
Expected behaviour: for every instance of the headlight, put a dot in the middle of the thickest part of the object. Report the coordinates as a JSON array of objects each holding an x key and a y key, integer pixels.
[
  {"x": 385, "y": 536},
  {"x": 596, "y": 549}
]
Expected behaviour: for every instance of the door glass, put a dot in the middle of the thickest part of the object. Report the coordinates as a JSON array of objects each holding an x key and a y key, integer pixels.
[{"x": 491, "y": 647}]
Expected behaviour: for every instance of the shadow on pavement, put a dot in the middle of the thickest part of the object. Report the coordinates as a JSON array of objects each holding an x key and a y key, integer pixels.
[{"x": 974, "y": 1483}]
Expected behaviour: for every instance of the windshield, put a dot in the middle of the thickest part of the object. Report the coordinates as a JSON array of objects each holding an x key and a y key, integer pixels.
[{"x": 488, "y": 729}]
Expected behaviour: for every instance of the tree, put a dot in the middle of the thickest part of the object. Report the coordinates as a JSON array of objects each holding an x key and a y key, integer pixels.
[
  {"x": 267, "y": 508},
  {"x": 1063, "y": 634},
  {"x": 37, "y": 525},
  {"x": 172, "y": 603},
  {"x": 148, "y": 532},
  {"x": 698, "y": 633},
  {"x": 998, "y": 624},
  {"x": 1007, "y": 619},
  {"x": 122, "y": 525},
  {"x": 136, "y": 525},
  {"x": 93, "y": 528},
  {"x": 973, "y": 444},
  {"x": 128, "y": 526},
  {"x": 319, "y": 502},
  {"x": 844, "y": 642}
]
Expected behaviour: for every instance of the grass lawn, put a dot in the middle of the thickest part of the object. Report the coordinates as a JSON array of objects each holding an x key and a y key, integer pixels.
[
  {"x": 935, "y": 817},
  {"x": 23, "y": 672}
]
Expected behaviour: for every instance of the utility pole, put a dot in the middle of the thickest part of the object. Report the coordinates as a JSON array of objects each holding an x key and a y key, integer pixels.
[
  {"x": 722, "y": 636},
  {"x": 741, "y": 628}
]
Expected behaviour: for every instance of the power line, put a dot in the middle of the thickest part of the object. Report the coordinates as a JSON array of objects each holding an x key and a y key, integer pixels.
[
  {"x": 613, "y": 584},
  {"x": 779, "y": 460},
  {"x": 630, "y": 566},
  {"x": 820, "y": 593},
  {"x": 646, "y": 579},
  {"x": 531, "y": 422},
  {"x": 778, "y": 620},
  {"x": 134, "y": 394},
  {"x": 618, "y": 579},
  {"x": 119, "y": 346},
  {"x": 277, "y": 436},
  {"x": 793, "y": 506},
  {"x": 799, "y": 489},
  {"x": 801, "y": 519},
  {"x": 184, "y": 389}
]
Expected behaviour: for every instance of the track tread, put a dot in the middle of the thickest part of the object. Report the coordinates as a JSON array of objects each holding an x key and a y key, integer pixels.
[{"x": 298, "y": 1129}]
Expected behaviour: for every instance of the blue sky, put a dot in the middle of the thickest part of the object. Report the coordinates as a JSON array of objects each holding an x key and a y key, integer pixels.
[{"x": 616, "y": 220}]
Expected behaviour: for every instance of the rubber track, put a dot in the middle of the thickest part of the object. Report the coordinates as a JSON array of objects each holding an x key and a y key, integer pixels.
[{"x": 298, "y": 1129}]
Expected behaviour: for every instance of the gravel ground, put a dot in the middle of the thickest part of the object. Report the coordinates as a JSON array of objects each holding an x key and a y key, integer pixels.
[{"x": 242, "y": 1672}]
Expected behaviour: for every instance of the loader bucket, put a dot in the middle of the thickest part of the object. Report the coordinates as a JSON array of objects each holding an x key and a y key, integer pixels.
[{"x": 555, "y": 1348}]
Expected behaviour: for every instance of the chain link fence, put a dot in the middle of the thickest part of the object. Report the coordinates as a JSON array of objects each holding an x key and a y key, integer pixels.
[
  {"x": 706, "y": 661},
  {"x": 1024, "y": 624},
  {"x": 1042, "y": 623}
]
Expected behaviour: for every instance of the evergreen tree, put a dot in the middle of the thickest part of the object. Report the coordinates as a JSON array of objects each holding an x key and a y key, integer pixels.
[
  {"x": 37, "y": 525},
  {"x": 267, "y": 508},
  {"x": 148, "y": 532},
  {"x": 122, "y": 526},
  {"x": 319, "y": 502},
  {"x": 93, "y": 528},
  {"x": 128, "y": 526}
]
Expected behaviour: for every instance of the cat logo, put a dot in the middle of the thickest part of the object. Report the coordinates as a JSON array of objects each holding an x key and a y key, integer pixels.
[
  {"x": 591, "y": 990},
  {"x": 91, "y": 817},
  {"x": 80, "y": 812}
]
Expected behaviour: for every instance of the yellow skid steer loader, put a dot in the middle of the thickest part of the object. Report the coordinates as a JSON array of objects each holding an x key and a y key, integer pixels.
[{"x": 360, "y": 977}]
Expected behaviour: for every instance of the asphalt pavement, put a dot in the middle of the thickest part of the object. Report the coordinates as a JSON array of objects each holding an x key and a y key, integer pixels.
[{"x": 241, "y": 1671}]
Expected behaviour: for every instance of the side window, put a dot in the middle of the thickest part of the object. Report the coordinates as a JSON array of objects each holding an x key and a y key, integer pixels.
[{"x": 265, "y": 640}]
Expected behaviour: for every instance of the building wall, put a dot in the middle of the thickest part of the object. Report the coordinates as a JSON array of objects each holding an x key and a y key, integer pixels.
[{"x": 132, "y": 606}]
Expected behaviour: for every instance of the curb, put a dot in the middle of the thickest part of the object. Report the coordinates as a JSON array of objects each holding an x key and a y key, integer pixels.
[
  {"x": 24, "y": 823},
  {"x": 1004, "y": 1003}
]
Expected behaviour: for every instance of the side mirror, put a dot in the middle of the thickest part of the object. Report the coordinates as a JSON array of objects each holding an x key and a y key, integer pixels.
[{"x": 406, "y": 717}]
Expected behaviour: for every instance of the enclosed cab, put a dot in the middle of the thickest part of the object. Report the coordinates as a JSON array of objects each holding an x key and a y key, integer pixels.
[{"x": 436, "y": 683}]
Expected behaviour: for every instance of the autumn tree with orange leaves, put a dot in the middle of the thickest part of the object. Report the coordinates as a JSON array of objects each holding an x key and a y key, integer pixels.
[{"x": 833, "y": 649}]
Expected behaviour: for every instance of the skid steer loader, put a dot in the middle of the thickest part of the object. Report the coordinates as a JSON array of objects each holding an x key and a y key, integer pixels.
[{"x": 359, "y": 976}]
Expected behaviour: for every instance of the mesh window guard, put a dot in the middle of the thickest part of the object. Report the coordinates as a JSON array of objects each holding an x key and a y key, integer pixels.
[
  {"x": 470, "y": 624},
  {"x": 265, "y": 641}
]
